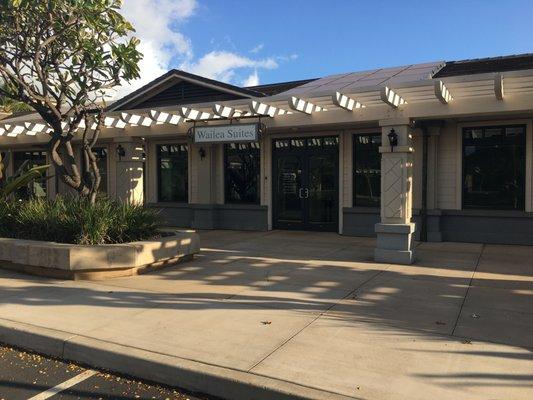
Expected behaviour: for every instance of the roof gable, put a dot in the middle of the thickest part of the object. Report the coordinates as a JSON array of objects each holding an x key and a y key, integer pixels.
[{"x": 179, "y": 87}]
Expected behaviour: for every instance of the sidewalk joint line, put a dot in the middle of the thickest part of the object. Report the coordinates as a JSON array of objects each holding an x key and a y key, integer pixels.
[
  {"x": 319, "y": 315},
  {"x": 468, "y": 289}
]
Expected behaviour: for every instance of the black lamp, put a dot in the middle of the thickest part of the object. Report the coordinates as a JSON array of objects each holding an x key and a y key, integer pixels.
[
  {"x": 393, "y": 139},
  {"x": 121, "y": 152},
  {"x": 202, "y": 153}
]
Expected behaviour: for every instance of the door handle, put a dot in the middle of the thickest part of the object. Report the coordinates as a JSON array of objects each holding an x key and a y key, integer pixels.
[{"x": 306, "y": 193}]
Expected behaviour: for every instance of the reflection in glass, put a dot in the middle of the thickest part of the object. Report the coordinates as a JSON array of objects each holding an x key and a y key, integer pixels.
[
  {"x": 30, "y": 159},
  {"x": 101, "y": 162},
  {"x": 242, "y": 170},
  {"x": 494, "y": 167},
  {"x": 289, "y": 185},
  {"x": 367, "y": 170},
  {"x": 323, "y": 192},
  {"x": 172, "y": 165}
]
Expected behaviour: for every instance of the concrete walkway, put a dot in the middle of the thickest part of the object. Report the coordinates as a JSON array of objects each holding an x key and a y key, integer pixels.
[{"x": 304, "y": 315}]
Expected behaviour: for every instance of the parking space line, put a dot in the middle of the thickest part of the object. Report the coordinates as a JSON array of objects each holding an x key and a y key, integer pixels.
[{"x": 64, "y": 386}]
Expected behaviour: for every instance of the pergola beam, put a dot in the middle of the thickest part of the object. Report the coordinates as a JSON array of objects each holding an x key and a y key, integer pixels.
[
  {"x": 390, "y": 97},
  {"x": 304, "y": 106},
  {"x": 195, "y": 115},
  {"x": 33, "y": 128},
  {"x": 110, "y": 122},
  {"x": 266, "y": 109},
  {"x": 346, "y": 102},
  {"x": 442, "y": 93},
  {"x": 499, "y": 91},
  {"x": 160, "y": 117},
  {"x": 135, "y": 119},
  {"x": 228, "y": 112},
  {"x": 14, "y": 130}
]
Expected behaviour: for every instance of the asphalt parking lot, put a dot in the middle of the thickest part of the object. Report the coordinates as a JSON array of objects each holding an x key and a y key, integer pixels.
[{"x": 25, "y": 376}]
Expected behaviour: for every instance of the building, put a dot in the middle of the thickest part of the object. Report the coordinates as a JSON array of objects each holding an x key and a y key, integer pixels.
[{"x": 439, "y": 151}]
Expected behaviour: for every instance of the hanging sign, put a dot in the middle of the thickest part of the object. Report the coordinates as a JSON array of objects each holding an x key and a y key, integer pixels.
[{"x": 226, "y": 133}]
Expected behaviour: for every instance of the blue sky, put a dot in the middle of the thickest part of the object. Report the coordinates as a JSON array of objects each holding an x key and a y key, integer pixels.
[{"x": 246, "y": 42}]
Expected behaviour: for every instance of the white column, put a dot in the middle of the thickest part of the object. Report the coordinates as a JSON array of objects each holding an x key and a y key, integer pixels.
[
  {"x": 129, "y": 177},
  {"x": 395, "y": 231}
]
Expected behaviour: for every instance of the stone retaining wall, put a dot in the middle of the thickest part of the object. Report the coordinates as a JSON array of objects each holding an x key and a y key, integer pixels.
[{"x": 99, "y": 261}]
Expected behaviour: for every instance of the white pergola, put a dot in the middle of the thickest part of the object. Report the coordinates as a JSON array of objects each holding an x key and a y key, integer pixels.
[{"x": 334, "y": 93}]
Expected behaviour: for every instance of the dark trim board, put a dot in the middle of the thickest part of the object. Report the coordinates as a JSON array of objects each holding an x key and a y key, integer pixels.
[{"x": 246, "y": 217}]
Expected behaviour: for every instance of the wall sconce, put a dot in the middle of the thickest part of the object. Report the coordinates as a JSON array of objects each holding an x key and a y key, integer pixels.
[
  {"x": 201, "y": 152},
  {"x": 121, "y": 152},
  {"x": 393, "y": 139}
]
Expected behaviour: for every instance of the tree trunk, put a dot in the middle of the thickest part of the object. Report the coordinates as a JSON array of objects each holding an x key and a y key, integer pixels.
[{"x": 61, "y": 153}]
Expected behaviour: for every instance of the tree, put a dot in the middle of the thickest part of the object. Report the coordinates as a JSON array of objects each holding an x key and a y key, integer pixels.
[
  {"x": 10, "y": 106},
  {"x": 62, "y": 58}
]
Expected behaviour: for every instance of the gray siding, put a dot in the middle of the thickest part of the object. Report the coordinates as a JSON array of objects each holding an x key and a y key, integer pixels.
[
  {"x": 497, "y": 227},
  {"x": 215, "y": 216},
  {"x": 360, "y": 221}
]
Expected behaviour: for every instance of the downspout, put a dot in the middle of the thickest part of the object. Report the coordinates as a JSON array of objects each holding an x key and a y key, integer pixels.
[{"x": 424, "y": 208}]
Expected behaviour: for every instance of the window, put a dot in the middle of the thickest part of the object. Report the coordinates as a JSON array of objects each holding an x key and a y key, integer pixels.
[
  {"x": 367, "y": 170},
  {"x": 494, "y": 165},
  {"x": 101, "y": 161},
  {"x": 26, "y": 160},
  {"x": 242, "y": 169},
  {"x": 173, "y": 173},
  {"x": 3, "y": 166}
]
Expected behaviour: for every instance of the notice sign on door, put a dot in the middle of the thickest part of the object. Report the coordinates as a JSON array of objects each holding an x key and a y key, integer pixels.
[{"x": 226, "y": 133}]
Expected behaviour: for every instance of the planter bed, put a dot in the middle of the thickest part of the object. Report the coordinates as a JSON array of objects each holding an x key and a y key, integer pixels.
[{"x": 70, "y": 261}]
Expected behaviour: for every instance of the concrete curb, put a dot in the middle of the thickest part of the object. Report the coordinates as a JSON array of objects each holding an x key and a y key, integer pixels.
[{"x": 169, "y": 370}]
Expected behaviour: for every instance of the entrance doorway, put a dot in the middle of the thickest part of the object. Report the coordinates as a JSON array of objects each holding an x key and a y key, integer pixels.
[{"x": 306, "y": 183}]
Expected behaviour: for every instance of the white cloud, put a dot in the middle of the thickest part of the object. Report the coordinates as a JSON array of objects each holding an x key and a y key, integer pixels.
[
  {"x": 158, "y": 26},
  {"x": 252, "y": 80},
  {"x": 257, "y": 48},
  {"x": 223, "y": 65},
  {"x": 155, "y": 22}
]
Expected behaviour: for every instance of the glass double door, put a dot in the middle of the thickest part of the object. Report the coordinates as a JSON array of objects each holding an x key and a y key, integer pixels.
[{"x": 306, "y": 183}]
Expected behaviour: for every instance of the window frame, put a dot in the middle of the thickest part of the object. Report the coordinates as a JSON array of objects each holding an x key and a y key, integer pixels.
[
  {"x": 107, "y": 149},
  {"x": 158, "y": 171},
  {"x": 354, "y": 160},
  {"x": 461, "y": 128},
  {"x": 44, "y": 180},
  {"x": 225, "y": 177}
]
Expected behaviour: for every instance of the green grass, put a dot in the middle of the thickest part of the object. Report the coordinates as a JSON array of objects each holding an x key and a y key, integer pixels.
[{"x": 74, "y": 220}]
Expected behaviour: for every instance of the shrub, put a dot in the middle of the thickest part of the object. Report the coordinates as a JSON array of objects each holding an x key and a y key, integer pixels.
[{"x": 75, "y": 220}]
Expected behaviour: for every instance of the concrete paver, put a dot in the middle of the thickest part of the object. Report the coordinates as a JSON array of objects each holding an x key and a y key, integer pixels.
[
  {"x": 229, "y": 335},
  {"x": 370, "y": 361},
  {"x": 304, "y": 312},
  {"x": 496, "y": 325}
]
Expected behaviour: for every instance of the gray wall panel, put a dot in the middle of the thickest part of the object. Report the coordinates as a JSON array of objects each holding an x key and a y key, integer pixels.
[
  {"x": 495, "y": 227},
  {"x": 360, "y": 221},
  {"x": 214, "y": 216},
  {"x": 178, "y": 215}
]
